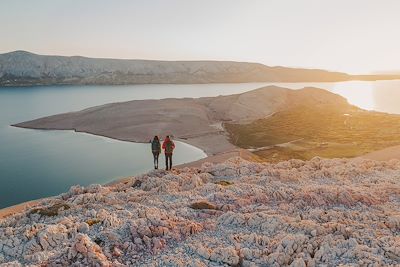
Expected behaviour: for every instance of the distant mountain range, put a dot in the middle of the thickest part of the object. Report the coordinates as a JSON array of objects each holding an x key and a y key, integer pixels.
[{"x": 21, "y": 68}]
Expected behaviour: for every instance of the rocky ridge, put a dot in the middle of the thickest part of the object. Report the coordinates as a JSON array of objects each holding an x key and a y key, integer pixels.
[
  {"x": 21, "y": 68},
  {"x": 293, "y": 213}
]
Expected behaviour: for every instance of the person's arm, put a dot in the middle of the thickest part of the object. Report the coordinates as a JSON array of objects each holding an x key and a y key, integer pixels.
[
  {"x": 163, "y": 145},
  {"x": 173, "y": 145}
]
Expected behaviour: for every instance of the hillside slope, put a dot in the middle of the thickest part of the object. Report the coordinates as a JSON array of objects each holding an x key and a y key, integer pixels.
[
  {"x": 237, "y": 213},
  {"x": 23, "y": 68},
  {"x": 306, "y": 131}
]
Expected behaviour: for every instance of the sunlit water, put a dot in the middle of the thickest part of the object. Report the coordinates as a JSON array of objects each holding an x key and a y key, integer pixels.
[
  {"x": 381, "y": 96},
  {"x": 36, "y": 164}
]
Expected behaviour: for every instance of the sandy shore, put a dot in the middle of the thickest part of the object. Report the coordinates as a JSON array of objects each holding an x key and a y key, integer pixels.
[
  {"x": 384, "y": 154},
  {"x": 5, "y": 212}
]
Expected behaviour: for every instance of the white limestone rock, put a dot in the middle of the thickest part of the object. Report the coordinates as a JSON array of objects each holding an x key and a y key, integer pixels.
[{"x": 299, "y": 213}]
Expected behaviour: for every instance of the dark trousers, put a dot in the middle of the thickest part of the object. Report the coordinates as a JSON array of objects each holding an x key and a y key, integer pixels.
[
  {"x": 155, "y": 156},
  {"x": 168, "y": 161}
]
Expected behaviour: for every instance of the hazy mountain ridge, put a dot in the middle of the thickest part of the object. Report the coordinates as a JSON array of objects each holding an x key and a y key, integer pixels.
[{"x": 24, "y": 68}]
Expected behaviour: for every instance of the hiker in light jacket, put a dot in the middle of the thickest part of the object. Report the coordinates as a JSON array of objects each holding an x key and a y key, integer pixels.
[
  {"x": 168, "y": 146},
  {"x": 156, "y": 149}
]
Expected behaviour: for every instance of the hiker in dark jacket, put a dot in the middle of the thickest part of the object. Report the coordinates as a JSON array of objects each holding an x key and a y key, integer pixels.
[
  {"x": 156, "y": 149},
  {"x": 168, "y": 147}
]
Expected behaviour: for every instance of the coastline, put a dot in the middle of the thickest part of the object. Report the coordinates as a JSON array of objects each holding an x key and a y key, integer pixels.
[
  {"x": 218, "y": 158},
  {"x": 17, "y": 208},
  {"x": 211, "y": 143},
  {"x": 362, "y": 78},
  {"x": 214, "y": 158},
  {"x": 218, "y": 145}
]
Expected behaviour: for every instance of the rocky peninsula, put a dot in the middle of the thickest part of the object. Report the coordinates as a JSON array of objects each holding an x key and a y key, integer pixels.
[
  {"x": 273, "y": 122},
  {"x": 197, "y": 121}
]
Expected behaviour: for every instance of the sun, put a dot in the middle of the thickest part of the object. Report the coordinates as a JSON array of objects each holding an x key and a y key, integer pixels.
[{"x": 358, "y": 93}]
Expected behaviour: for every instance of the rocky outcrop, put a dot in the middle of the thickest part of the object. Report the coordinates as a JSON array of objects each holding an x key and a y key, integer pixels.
[{"x": 294, "y": 213}]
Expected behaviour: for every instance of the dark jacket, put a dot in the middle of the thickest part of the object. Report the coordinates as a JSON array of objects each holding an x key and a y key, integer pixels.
[{"x": 155, "y": 146}]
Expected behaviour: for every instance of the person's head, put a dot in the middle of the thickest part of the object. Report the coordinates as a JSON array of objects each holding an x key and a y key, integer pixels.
[
  {"x": 156, "y": 138},
  {"x": 167, "y": 137}
]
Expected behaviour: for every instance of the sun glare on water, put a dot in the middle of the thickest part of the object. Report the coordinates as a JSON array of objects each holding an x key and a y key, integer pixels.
[{"x": 357, "y": 93}]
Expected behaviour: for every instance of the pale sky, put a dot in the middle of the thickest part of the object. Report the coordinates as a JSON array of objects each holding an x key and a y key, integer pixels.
[{"x": 356, "y": 36}]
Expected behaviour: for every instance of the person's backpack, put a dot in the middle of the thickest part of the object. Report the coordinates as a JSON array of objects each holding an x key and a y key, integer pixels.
[
  {"x": 169, "y": 147},
  {"x": 155, "y": 145}
]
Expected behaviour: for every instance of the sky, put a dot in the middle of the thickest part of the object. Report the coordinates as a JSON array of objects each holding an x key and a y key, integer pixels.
[{"x": 354, "y": 36}]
